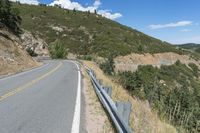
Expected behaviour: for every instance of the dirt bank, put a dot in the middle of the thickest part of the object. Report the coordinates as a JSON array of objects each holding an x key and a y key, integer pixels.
[
  {"x": 132, "y": 61},
  {"x": 12, "y": 58}
]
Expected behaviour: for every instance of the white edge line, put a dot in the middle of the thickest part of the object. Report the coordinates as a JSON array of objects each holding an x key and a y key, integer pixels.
[
  {"x": 77, "y": 111},
  {"x": 22, "y": 73}
]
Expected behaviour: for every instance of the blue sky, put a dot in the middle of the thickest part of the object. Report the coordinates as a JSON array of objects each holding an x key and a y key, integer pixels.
[{"x": 175, "y": 21}]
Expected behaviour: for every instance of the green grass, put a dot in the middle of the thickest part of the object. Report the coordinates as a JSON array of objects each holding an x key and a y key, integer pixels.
[{"x": 100, "y": 36}]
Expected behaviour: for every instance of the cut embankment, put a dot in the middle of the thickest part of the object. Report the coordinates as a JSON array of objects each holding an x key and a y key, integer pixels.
[
  {"x": 132, "y": 61},
  {"x": 12, "y": 58}
]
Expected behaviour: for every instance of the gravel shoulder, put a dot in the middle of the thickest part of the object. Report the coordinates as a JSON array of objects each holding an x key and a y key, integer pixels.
[{"x": 96, "y": 119}]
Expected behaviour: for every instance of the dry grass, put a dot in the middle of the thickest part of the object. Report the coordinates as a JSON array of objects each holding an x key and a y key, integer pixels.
[
  {"x": 12, "y": 58},
  {"x": 143, "y": 119},
  {"x": 96, "y": 118}
]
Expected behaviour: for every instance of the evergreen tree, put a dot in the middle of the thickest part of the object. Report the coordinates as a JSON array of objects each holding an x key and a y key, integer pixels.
[
  {"x": 9, "y": 16},
  {"x": 95, "y": 11}
]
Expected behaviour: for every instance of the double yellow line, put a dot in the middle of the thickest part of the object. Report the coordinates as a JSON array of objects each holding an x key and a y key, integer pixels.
[{"x": 21, "y": 88}]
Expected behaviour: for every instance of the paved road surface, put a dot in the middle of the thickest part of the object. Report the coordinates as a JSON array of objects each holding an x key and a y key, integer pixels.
[{"x": 43, "y": 100}]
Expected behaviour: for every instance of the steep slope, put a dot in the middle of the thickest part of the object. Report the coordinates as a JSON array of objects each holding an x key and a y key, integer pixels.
[
  {"x": 12, "y": 58},
  {"x": 85, "y": 33}
]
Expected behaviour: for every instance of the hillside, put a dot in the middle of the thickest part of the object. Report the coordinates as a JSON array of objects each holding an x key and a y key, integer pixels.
[
  {"x": 173, "y": 91},
  {"x": 191, "y": 46},
  {"x": 12, "y": 58},
  {"x": 166, "y": 79},
  {"x": 84, "y": 33}
]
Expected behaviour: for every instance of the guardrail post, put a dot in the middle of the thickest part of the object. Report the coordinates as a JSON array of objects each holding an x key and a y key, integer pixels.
[
  {"x": 119, "y": 112},
  {"x": 108, "y": 90},
  {"x": 124, "y": 109},
  {"x": 100, "y": 81},
  {"x": 92, "y": 72}
]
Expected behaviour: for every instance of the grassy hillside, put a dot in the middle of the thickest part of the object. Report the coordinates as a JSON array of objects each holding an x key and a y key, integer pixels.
[
  {"x": 191, "y": 46},
  {"x": 86, "y": 33}
]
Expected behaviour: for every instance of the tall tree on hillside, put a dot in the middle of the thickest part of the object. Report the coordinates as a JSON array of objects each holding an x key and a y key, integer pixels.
[{"x": 9, "y": 16}]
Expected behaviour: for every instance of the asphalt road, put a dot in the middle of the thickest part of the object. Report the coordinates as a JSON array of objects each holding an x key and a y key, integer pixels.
[{"x": 43, "y": 100}]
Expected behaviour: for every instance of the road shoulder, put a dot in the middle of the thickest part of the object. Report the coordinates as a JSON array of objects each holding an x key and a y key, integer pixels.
[{"x": 96, "y": 119}]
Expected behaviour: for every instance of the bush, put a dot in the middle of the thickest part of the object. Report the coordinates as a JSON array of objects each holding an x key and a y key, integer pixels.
[
  {"x": 31, "y": 52},
  {"x": 108, "y": 66},
  {"x": 172, "y": 90},
  {"x": 58, "y": 51},
  {"x": 194, "y": 68},
  {"x": 86, "y": 57},
  {"x": 10, "y": 16}
]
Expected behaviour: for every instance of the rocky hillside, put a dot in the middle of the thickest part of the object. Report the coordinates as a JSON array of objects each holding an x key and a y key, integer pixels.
[
  {"x": 85, "y": 33},
  {"x": 12, "y": 56}
]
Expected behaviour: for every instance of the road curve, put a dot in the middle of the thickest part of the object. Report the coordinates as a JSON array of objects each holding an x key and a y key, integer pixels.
[{"x": 42, "y": 100}]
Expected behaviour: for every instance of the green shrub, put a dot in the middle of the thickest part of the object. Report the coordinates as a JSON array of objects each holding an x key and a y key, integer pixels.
[
  {"x": 58, "y": 51},
  {"x": 31, "y": 52},
  {"x": 194, "y": 68},
  {"x": 108, "y": 66},
  {"x": 86, "y": 57},
  {"x": 176, "y": 98}
]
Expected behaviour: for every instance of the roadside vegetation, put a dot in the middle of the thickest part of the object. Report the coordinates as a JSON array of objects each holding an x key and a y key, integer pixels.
[
  {"x": 143, "y": 119},
  {"x": 31, "y": 52},
  {"x": 173, "y": 91},
  {"x": 57, "y": 50},
  {"x": 108, "y": 66}
]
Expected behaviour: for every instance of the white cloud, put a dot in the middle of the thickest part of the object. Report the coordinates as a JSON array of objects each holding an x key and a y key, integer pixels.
[
  {"x": 185, "y": 30},
  {"x": 68, "y": 4},
  {"x": 32, "y": 2},
  {"x": 108, "y": 14},
  {"x": 170, "y": 25}
]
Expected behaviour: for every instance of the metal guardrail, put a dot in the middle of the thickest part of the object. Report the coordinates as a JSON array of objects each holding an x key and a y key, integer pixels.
[{"x": 121, "y": 122}]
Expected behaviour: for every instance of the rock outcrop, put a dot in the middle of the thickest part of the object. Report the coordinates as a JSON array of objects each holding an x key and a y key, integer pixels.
[
  {"x": 35, "y": 43},
  {"x": 12, "y": 56}
]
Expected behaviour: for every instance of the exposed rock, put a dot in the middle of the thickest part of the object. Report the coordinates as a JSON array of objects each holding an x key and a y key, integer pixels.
[
  {"x": 12, "y": 58},
  {"x": 59, "y": 29},
  {"x": 38, "y": 45},
  {"x": 132, "y": 61}
]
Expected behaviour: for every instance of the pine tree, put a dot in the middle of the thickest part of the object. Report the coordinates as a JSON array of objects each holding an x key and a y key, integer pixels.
[{"x": 95, "y": 11}]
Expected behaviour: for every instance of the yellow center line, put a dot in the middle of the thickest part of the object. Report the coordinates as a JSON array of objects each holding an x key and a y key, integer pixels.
[{"x": 21, "y": 88}]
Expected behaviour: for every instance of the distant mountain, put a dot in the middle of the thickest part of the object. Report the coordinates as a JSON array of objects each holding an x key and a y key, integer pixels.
[{"x": 191, "y": 46}]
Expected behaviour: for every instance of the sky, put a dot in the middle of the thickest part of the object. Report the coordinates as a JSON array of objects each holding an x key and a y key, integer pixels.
[{"x": 174, "y": 21}]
